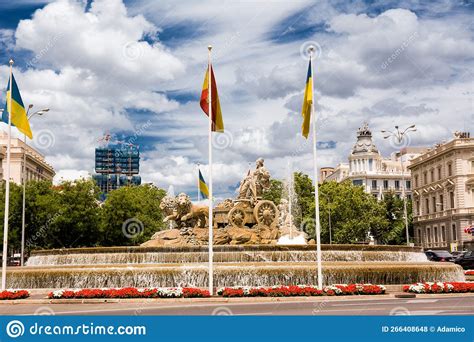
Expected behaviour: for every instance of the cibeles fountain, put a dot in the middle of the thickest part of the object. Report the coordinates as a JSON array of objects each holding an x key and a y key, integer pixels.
[{"x": 254, "y": 245}]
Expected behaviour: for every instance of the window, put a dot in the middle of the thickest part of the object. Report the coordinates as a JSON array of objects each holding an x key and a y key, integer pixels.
[
  {"x": 408, "y": 184},
  {"x": 425, "y": 178},
  {"x": 374, "y": 184},
  {"x": 451, "y": 200},
  {"x": 428, "y": 234},
  {"x": 385, "y": 184},
  {"x": 439, "y": 172},
  {"x": 418, "y": 209},
  {"x": 441, "y": 202},
  {"x": 432, "y": 177},
  {"x": 427, "y": 205},
  {"x": 472, "y": 166},
  {"x": 433, "y": 201},
  {"x": 416, "y": 181},
  {"x": 397, "y": 184},
  {"x": 454, "y": 232},
  {"x": 420, "y": 237},
  {"x": 435, "y": 230},
  {"x": 443, "y": 234},
  {"x": 370, "y": 164},
  {"x": 357, "y": 182},
  {"x": 450, "y": 169}
]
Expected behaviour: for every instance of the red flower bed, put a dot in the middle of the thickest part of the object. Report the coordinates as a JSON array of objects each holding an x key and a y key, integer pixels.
[
  {"x": 293, "y": 291},
  {"x": 469, "y": 272},
  {"x": 14, "y": 294},
  {"x": 130, "y": 292},
  {"x": 440, "y": 287}
]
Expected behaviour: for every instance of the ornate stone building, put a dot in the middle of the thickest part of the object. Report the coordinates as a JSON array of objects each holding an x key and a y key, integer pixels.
[
  {"x": 36, "y": 166},
  {"x": 443, "y": 194},
  {"x": 378, "y": 175}
]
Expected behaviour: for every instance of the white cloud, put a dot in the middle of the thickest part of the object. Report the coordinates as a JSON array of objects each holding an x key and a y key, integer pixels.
[{"x": 393, "y": 68}]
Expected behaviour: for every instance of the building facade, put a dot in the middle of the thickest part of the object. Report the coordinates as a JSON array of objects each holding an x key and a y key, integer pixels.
[
  {"x": 443, "y": 194},
  {"x": 366, "y": 167},
  {"x": 26, "y": 163}
]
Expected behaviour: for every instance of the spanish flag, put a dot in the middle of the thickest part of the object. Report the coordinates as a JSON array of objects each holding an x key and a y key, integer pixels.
[
  {"x": 217, "y": 123},
  {"x": 307, "y": 102},
  {"x": 203, "y": 187},
  {"x": 15, "y": 106}
]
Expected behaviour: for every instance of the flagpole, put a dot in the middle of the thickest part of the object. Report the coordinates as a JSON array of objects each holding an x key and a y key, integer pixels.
[
  {"x": 211, "y": 252},
  {"x": 316, "y": 182},
  {"x": 7, "y": 188},
  {"x": 199, "y": 188}
]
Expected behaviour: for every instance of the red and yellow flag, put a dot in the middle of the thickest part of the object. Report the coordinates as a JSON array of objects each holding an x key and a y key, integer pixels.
[{"x": 217, "y": 123}]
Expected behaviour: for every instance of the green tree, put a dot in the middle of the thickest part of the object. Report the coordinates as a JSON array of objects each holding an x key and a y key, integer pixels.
[
  {"x": 77, "y": 221},
  {"x": 42, "y": 208},
  {"x": 131, "y": 215},
  {"x": 274, "y": 192},
  {"x": 353, "y": 213},
  {"x": 395, "y": 232}
]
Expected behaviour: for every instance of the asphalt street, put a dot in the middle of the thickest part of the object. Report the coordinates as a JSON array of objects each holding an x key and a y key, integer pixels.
[{"x": 452, "y": 305}]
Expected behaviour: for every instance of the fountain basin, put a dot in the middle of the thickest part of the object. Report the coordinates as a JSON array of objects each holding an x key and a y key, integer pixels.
[
  {"x": 229, "y": 274},
  {"x": 244, "y": 265},
  {"x": 199, "y": 254}
]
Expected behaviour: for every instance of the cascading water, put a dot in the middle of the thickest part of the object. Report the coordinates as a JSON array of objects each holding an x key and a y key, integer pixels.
[{"x": 234, "y": 265}]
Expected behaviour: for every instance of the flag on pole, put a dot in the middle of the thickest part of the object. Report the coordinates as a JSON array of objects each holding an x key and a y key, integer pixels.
[
  {"x": 203, "y": 187},
  {"x": 217, "y": 123},
  {"x": 19, "y": 118},
  {"x": 307, "y": 102}
]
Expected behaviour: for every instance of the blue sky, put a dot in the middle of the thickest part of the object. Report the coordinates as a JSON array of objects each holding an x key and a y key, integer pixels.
[{"x": 135, "y": 68}]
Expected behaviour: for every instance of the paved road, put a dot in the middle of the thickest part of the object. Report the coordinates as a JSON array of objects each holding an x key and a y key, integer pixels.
[{"x": 459, "y": 305}]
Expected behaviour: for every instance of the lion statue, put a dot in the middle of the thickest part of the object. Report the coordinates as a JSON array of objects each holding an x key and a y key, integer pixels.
[
  {"x": 168, "y": 206},
  {"x": 188, "y": 211},
  {"x": 183, "y": 212}
]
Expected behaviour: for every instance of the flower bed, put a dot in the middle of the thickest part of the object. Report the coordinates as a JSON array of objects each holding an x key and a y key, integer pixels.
[
  {"x": 14, "y": 294},
  {"x": 469, "y": 272},
  {"x": 440, "y": 287},
  {"x": 301, "y": 290},
  {"x": 131, "y": 292}
]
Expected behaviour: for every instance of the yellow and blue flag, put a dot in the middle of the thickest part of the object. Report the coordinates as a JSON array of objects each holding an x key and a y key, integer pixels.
[
  {"x": 19, "y": 118},
  {"x": 307, "y": 102},
  {"x": 203, "y": 187}
]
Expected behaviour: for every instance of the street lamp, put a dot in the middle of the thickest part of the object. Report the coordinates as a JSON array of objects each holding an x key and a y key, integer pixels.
[
  {"x": 329, "y": 207},
  {"x": 399, "y": 136},
  {"x": 23, "y": 176}
]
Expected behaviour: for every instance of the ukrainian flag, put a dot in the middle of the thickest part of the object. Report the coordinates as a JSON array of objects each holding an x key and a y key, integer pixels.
[
  {"x": 17, "y": 110},
  {"x": 203, "y": 187},
  {"x": 307, "y": 102}
]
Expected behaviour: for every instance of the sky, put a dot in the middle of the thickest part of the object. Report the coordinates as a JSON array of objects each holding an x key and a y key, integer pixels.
[{"x": 134, "y": 69}]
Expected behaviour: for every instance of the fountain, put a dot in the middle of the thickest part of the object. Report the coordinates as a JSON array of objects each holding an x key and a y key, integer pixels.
[
  {"x": 289, "y": 234},
  {"x": 245, "y": 253}
]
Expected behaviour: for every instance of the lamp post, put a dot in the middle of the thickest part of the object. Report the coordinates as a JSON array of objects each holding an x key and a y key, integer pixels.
[
  {"x": 399, "y": 136},
  {"x": 22, "y": 255},
  {"x": 329, "y": 216}
]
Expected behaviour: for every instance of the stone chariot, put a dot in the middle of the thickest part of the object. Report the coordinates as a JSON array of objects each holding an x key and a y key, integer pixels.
[{"x": 249, "y": 209}]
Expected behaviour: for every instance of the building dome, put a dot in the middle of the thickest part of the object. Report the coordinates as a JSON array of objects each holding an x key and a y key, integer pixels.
[{"x": 364, "y": 142}]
